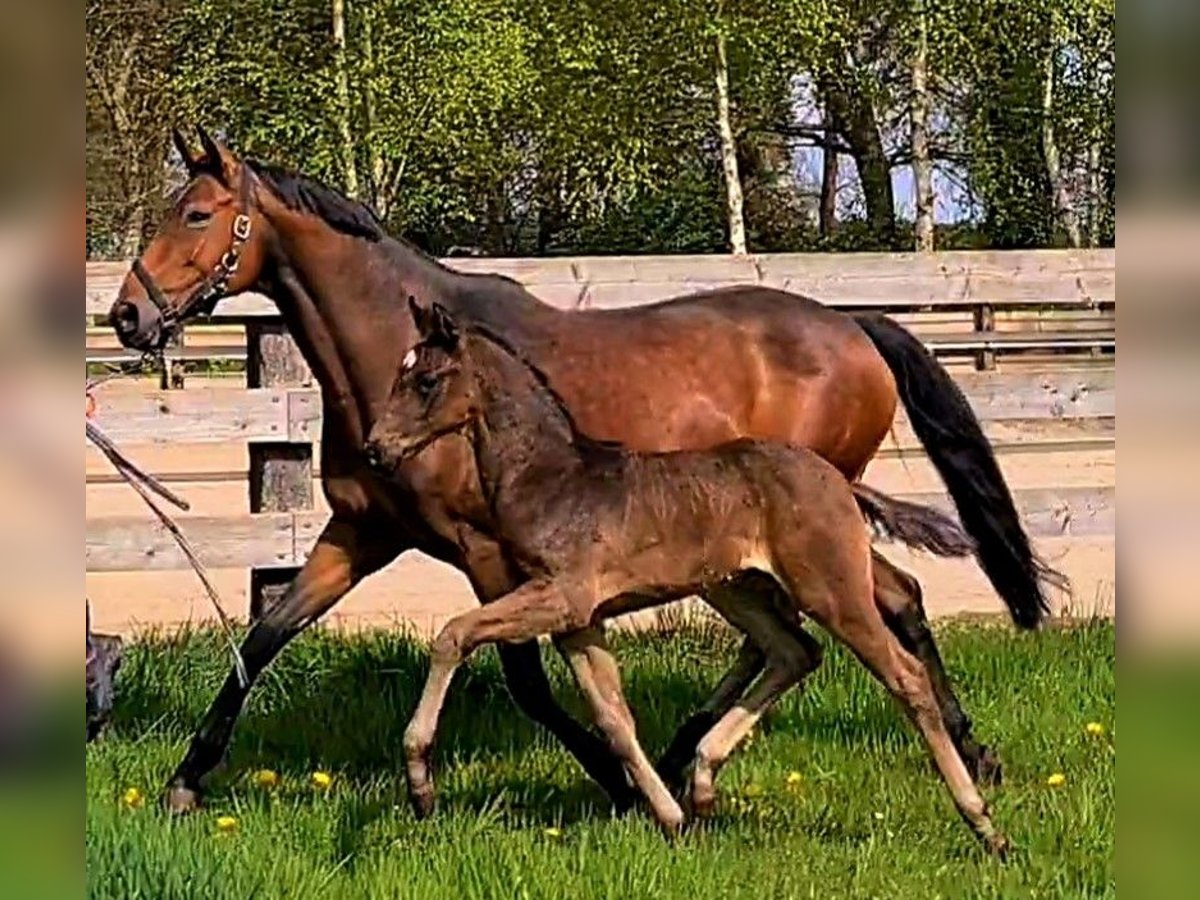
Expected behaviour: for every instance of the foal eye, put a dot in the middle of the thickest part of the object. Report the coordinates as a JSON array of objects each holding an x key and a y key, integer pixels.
[
  {"x": 196, "y": 218},
  {"x": 426, "y": 382}
]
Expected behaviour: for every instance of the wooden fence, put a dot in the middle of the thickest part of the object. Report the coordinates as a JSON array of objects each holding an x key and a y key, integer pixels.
[{"x": 1029, "y": 335}]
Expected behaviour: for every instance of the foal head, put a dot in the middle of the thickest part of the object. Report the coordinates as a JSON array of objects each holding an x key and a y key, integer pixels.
[{"x": 434, "y": 394}]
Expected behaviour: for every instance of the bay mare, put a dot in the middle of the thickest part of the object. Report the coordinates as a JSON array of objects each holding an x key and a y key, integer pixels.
[
  {"x": 598, "y": 530},
  {"x": 687, "y": 373}
]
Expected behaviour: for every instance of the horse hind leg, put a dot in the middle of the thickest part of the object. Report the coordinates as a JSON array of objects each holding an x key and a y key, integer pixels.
[{"x": 898, "y": 598}]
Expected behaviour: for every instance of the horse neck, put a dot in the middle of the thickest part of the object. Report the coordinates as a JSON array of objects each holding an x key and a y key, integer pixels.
[
  {"x": 344, "y": 301},
  {"x": 525, "y": 445}
]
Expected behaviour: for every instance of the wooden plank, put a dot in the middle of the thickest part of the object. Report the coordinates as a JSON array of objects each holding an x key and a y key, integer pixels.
[
  {"x": 273, "y": 540},
  {"x": 219, "y": 415},
  {"x": 1051, "y": 512},
  {"x": 195, "y": 415},
  {"x": 123, "y": 543},
  {"x": 876, "y": 280}
]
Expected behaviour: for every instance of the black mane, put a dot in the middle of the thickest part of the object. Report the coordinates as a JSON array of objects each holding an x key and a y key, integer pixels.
[
  {"x": 305, "y": 194},
  {"x": 586, "y": 443}
]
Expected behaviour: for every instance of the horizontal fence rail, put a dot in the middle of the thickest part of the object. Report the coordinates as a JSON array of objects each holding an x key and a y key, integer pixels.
[
  {"x": 1057, "y": 307},
  {"x": 1084, "y": 279}
]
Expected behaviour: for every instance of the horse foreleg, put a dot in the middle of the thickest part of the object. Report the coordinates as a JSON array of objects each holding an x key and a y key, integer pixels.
[{"x": 343, "y": 556}]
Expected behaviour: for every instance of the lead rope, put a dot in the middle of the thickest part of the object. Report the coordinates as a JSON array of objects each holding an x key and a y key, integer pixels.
[{"x": 144, "y": 483}]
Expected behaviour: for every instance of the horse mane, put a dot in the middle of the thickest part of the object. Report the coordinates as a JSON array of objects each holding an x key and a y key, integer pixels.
[
  {"x": 305, "y": 194},
  {"x": 585, "y": 442}
]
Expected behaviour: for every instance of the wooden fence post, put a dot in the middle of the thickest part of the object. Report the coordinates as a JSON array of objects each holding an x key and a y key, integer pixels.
[
  {"x": 985, "y": 325},
  {"x": 281, "y": 474}
]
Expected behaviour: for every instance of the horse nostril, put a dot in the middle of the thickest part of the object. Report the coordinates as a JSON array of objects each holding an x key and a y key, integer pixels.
[
  {"x": 124, "y": 317},
  {"x": 374, "y": 456}
]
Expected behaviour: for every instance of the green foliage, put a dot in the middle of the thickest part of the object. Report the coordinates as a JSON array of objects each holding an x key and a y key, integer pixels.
[{"x": 589, "y": 126}]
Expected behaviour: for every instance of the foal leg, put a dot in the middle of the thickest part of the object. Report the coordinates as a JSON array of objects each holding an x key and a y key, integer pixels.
[
  {"x": 839, "y": 594},
  {"x": 492, "y": 577},
  {"x": 791, "y": 655},
  {"x": 343, "y": 556},
  {"x": 675, "y": 759},
  {"x": 600, "y": 681},
  {"x": 898, "y": 597},
  {"x": 535, "y": 608},
  {"x": 751, "y": 588}
]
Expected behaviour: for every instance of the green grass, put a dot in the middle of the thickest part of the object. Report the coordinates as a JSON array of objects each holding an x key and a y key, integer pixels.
[{"x": 869, "y": 819}]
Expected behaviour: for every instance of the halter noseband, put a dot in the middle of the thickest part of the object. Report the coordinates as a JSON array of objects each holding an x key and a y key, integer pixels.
[{"x": 212, "y": 288}]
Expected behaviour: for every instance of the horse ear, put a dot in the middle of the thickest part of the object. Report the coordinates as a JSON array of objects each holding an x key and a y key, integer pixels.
[
  {"x": 218, "y": 161},
  {"x": 189, "y": 159}
]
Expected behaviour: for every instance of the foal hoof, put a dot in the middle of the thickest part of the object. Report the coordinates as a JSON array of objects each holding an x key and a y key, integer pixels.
[
  {"x": 181, "y": 799},
  {"x": 423, "y": 802},
  {"x": 997, "y": 845}
]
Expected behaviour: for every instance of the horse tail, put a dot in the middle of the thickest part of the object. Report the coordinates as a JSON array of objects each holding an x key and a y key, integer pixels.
[
  {"x": 914, "y": 524},
  {"x": 954, "y": 440}
]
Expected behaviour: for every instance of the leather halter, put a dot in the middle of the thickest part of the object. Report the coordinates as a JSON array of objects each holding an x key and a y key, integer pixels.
[{"x": 214, "y": 287}]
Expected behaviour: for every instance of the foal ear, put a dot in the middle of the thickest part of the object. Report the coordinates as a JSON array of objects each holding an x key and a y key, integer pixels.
[
  {"x": 445, "y": 329},
  {"x": 434, "y": 324},
  {"x": 190, "y": 159},
  {"x": 421, "y": 316}
]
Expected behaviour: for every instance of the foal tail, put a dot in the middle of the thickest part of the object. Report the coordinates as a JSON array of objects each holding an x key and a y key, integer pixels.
[
  {"x": 952, "y": 437},
  {"x": 913, "y": 524}
]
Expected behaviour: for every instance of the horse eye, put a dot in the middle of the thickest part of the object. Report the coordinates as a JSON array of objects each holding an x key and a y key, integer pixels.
[{"x": 196, "y": 218}]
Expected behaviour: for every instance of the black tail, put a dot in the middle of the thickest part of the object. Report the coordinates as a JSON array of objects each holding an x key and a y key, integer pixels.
[
  {"x": 952, "y": 437},
  {"x": 913, "y": 524}
]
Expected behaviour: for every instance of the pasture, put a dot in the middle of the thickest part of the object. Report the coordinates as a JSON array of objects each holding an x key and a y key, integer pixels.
[{"x": 832, "y": 797}]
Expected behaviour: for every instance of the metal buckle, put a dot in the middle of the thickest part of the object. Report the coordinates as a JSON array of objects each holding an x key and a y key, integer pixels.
[
  {"x": 241, "y": 227},
  {"x": 229, "y": 262}
]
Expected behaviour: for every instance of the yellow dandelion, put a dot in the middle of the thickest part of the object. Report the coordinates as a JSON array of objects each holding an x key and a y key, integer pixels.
[
  {"x": 321, "y": 780},
  {"x": 553, "y": 833},
  {"x": 226, "y": 824},
  {"x": 794, "y": 779},
  {"x": 1058, "y": 779},
  {"x": 1095, "y": 729},
  {"x": 266, "y": 779},
  {"x": 132, "y": 798},
  {"x": 752, "y": 790}
]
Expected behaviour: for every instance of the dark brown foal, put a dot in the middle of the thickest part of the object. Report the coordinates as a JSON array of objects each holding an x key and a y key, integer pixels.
[{"x": 599, "y": 530}]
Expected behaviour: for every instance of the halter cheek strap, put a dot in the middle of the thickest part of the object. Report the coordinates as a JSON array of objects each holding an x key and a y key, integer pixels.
[{"x": 215, "y": 286}]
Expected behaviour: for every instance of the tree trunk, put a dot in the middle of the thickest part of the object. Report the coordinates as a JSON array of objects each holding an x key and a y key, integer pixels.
[
  {"x": 922, "y": 164},
  {"x": 350, "y": 172},
  {"x": 380, "y": 196},
  {"x": 1060, "y": 196},
  {"x": 827, "y": 213},
  {"x": 855, "y": 118},
  {"x": 733, "y": 182}
]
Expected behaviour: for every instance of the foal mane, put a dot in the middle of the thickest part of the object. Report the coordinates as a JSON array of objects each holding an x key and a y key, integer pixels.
[{"x": 585, "y": 442}]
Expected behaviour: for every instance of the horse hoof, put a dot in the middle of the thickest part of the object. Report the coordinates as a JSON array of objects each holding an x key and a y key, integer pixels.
[{"x": 181, "y": 799}]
